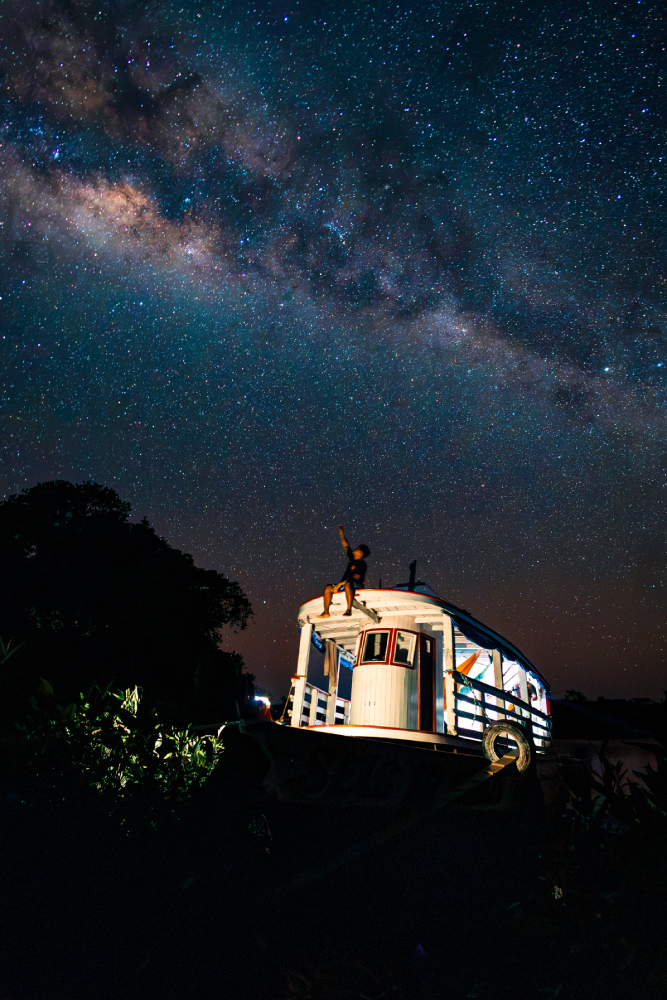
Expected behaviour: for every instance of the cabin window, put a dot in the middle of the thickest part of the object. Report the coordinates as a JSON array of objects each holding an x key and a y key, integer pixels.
[
  {"x": 375, "y": 647},
  {"x": 404, "y": 650}
]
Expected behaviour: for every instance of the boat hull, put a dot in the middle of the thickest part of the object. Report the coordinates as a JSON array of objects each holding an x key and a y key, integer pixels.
[{"x": 325, "y": 767}]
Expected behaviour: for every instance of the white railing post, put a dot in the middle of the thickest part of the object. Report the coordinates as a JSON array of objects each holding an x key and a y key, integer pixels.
[
  {"x": 331, "y": 706},
  {"x": 297, "y": 702},
  {"x": 314, "y": 701}
]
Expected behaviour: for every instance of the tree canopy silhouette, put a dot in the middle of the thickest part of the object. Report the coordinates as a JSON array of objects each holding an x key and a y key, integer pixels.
[{"x": 96, "y": 597}]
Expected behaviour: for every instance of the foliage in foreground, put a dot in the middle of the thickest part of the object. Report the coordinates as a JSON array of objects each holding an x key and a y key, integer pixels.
[
  {"x": 103, "y": 753},
  {"x": 580, "y": 911}
]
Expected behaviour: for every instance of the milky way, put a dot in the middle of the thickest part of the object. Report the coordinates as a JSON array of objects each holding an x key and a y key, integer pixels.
[{"x": 269, "y": 269}]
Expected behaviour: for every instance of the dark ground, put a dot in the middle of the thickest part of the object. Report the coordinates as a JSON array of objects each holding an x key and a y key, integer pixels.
[{"x": 494, "y": 896}]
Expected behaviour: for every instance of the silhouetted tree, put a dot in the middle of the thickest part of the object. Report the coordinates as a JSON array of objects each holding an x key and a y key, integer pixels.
[
  {"x": 96, "y": 597},
  {"x": 573, "y": 695}
]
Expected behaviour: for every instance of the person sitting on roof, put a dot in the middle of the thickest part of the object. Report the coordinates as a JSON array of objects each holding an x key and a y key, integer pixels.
[{"x": 353, "y": 577}]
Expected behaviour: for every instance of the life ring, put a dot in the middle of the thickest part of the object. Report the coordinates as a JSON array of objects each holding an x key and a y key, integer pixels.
[{"x": 520, "y": 737}]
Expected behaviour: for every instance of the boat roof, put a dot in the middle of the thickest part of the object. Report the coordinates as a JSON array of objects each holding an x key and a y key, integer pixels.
[{"x": 422, "y": 603}]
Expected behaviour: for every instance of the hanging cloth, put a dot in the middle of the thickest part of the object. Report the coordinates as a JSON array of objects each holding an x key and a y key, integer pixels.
[
  {"x": 331, "y": 663},
  {"x": 468, "y": 664}
]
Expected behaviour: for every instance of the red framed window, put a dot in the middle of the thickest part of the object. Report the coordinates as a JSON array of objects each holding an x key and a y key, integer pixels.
[
  {"x": 404, "y": 648},
  {"x": 376, "y": 646},
  {"x": 397, "y": 646}
]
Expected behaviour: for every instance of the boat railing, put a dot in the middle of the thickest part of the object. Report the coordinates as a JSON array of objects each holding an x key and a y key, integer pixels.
[
  {"x": 472, "y": 705},
  {"x": 315, "y": 707}
]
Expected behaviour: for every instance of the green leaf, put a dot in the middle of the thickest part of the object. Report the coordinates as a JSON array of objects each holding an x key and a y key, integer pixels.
[{"x": 44, "y": 689}]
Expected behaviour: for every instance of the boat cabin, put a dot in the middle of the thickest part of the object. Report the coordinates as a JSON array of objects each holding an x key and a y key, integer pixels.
[{"x": 407, "y": 665}]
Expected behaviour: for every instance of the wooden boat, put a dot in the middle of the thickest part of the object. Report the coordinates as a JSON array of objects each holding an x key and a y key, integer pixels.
[
  {"x": 407, "y": 698},
  {"x": 407, "y": 665}
]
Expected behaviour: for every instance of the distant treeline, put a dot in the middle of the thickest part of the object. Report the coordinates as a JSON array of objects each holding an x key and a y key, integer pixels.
[{"x": 608, "y": 718}]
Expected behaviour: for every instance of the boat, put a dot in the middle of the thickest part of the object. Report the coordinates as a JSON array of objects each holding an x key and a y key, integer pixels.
[
  {"x": 407, "y": 700},
  {"x": 408, "y": 665}
]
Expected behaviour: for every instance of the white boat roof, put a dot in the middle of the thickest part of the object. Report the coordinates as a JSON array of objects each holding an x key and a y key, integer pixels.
[{"x": 422, "y": 604}]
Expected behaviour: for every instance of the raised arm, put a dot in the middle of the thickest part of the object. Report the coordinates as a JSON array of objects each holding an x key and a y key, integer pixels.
[{"x": 344, "y": 541}]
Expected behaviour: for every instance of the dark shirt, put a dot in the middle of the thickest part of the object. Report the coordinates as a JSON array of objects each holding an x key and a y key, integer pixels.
[{"x": 355, "y": 572}]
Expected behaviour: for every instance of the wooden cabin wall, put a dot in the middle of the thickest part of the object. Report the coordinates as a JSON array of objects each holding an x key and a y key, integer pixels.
[{"x": 384, "y": 694}]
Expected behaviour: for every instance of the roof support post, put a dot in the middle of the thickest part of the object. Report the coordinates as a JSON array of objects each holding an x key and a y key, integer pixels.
[
  {"x": 304, "y": 650},
  {"x": 301, "y": 674},
  {"x": 332, "y": 653},
  {"x": 498, "y": 680},
  {"x": 449, "y": 665},
  {"x": 523, "y": 684},
  {"x": 439, "y": 685}
]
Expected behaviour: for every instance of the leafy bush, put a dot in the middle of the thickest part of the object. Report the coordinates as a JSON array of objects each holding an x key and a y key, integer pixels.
[
  {"x": 609, "y": 802},
  {"x": 101, "y": 751}
]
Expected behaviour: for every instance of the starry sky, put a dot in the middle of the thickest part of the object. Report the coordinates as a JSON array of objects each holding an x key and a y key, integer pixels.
[{"x": 267, "y": 268}]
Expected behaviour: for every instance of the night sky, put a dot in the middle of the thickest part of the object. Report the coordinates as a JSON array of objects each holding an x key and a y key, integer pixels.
[{"x": 269, "y": 268}]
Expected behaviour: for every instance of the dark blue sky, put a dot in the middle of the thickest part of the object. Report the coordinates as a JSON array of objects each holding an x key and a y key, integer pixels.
[{"x": 267, "y": 269}]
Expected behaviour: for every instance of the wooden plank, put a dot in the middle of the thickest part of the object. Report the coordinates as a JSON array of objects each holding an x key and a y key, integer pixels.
[{"x": 373, "y": 615}]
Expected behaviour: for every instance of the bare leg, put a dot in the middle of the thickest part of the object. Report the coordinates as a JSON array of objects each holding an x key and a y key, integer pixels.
[
  {"x": 328, "y": 594},
  {"x": 349, "y": 593}
]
